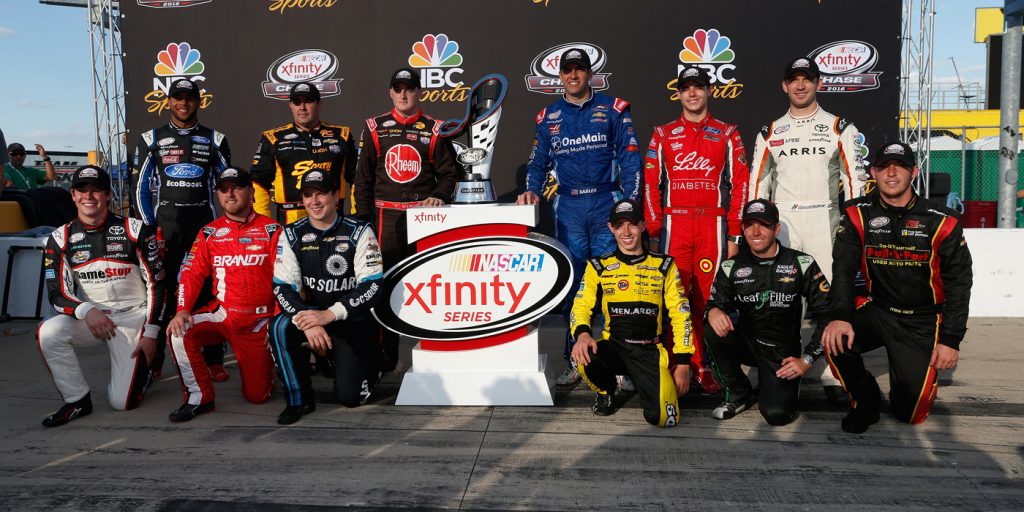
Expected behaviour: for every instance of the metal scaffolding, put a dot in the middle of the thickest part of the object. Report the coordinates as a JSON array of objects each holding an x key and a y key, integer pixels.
[
  {"x": 918, "y": 41},
  {"x": 104, "y": 17}
]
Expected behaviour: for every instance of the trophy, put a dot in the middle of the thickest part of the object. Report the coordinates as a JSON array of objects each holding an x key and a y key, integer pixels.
[{"x": 483, "y": 111}]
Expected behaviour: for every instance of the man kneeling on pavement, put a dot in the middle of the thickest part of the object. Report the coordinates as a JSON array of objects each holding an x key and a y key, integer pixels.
[
  {"x": 634, "y": 287},
  {"x": 763, "y": 285},
  {"x": 326, "y": 278}
]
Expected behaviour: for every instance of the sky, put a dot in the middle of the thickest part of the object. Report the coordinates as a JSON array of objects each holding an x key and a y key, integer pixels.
[{"x": 49, "y": 78}]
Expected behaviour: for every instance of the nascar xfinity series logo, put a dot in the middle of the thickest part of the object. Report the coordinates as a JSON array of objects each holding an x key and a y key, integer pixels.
[
  {"x": 168, "y": 4},
  {"x": 846, "y": 66},
  {"x": 177, "y": 60},
  {"x": 314, "y": 66},
  {"x": 543, "y": 77},
  {"x": 711, "y": 51},
  {"x": 438, "y": 60},
  {"x": 474, "y": 288}
]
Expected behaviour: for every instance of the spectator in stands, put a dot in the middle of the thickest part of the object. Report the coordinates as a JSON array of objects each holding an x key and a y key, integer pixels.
[{"x": 17, "y": 175}]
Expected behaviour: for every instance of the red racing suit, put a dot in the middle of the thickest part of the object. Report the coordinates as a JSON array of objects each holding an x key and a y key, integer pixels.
[
  {"x": 239, "y": 257},
  {"x": 695, "y": 184}
]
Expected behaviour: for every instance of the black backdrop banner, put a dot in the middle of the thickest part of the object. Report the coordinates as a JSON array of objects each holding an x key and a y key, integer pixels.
[{"x": 245, "y": 55}]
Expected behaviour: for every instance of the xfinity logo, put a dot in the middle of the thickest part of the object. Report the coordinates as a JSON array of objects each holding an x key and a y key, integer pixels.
[{"x": 429, "y": 217}]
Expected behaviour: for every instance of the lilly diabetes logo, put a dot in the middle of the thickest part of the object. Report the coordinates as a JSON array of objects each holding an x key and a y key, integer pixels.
[
  {"x": 315, "y": 66},
  {"x": 177, "y": 60},
  {"x": 711, "y": 51},
  {"x": 543, "y": 77},
  {"x": 170, "y": 4},
  {"x": 438, "y": 59},
  {"x": 474, "y": 288},
  {"x": 846, "y": 66}
]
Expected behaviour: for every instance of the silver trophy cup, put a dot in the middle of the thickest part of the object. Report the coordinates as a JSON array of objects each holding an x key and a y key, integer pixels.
[{"x": 483, "y": 112}]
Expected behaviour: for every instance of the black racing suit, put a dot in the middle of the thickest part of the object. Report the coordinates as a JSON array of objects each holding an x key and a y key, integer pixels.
[
  {"x": 285, "y": 153},
  {"x": 402, "y": 160},
  {"x": 918, "y": 272},
  {"x": 766, "y": 296},
  {"x": 633, "y": 292},
  {"x": 338, "y": 270},
  {"x": 172, "y": 189}
]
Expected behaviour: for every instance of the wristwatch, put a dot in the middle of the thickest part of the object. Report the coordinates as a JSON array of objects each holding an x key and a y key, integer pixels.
[{"x": 809, "y": 360}]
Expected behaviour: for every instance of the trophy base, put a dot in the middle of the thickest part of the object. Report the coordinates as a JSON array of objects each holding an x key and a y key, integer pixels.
[{"x": 474, "y": 191}]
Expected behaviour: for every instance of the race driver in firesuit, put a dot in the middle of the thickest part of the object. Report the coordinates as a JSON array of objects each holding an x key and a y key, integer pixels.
[
  {"x": 633, "y": 288},
  {"x": 695, "y": 185},
  {"x": 287, "y": 152},
  {"x": 587, "y": 140},
  {"x": 174, "y": 170},
  {"x": 403, "y": 164},
  {"x": 806, "y": 162},
  {"x": 919, "y": 275},
  {"x": 236, "y": 251},
  {"x": 326, "y": 278}
]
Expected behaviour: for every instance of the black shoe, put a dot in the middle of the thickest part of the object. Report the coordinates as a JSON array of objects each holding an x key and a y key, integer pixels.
[
  {"x": 729, "y": 410},
  {"x": 604, "y": 404},
  {"x": 293, "y": 413},
  {"x": 187, "y": 412},
  {"x": 836, "y": 396},
  {"x": 68, "y": 412},
  {"x": 859, "y": 419}
]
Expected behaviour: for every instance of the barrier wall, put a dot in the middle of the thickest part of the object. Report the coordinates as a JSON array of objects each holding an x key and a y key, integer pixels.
[{"x": 245, "y": 55}]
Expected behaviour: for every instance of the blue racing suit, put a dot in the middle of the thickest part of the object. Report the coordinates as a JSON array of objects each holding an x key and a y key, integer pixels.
[{"x": 592, "y": 151}]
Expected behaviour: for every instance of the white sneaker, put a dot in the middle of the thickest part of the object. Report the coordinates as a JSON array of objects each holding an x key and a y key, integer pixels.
[
  {"x": 625, "y": 383},
  {"x": 569, "y": 377}
]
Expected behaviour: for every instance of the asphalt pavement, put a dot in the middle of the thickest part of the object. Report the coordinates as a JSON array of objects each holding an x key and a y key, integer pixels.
[{"x": 968, "y": 455}]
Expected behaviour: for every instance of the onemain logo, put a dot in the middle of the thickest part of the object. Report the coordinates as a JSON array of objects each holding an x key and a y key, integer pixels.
[
  {"x": 543, "y": 77},
  {"x": 710, "y": 50},
  {"x": 177, "y": 60},
  {"x": 438, "y": 60},
  {"x": 846, "y": 66},
  {"x": 474, "y": 288},
  {"x": 315, "y": 66}
]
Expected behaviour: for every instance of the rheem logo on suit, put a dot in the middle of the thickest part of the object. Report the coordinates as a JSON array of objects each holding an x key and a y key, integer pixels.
[
  {"x": 312, "y": 65},
  {"x": 543, "y": 77}
]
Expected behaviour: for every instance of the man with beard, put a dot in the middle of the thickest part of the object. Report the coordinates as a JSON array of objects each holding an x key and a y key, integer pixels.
[
  {"x": 403, "y": 163},
  {"x": 587, "y": 139},
  {"x": 806, "y": 163},
  {"x": 236, "y": 251},
  {"x": 174, "y": 170}
]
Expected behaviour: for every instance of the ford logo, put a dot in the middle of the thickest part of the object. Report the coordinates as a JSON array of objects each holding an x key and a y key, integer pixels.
[
  {"x": 474, "y": 288},
  {"x": 183, "y": 171},
  {"x": 200, "y": 140}
]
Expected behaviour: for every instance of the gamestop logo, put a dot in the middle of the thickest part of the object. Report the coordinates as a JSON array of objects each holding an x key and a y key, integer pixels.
[
  {"x": 314, "y": 66},
  {"x": 846, "y": 66},
  {"x": 543, "y": 77},
  {"x": 474, "y": 288}
]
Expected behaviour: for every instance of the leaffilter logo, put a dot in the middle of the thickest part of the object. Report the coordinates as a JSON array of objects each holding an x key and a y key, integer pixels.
[
  {"x": 438, "y": 59},
  {"x": 711, "y": 51},
  {"x": 177, "y": 60}
]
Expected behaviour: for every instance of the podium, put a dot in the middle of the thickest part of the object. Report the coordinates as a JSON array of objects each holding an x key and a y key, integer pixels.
[{"x": 471, "y": 298}]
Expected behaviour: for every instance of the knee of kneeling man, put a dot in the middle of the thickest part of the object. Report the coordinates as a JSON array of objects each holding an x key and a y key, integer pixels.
[
  {"x": 778, "y": 417},
  {"x": 654, "y": 418},
  {"x": 258, "y": 397}
]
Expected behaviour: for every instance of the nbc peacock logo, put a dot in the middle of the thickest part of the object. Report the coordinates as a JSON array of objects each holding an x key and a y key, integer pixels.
[
  {"x": 438, "y": 59},
  {"x": 711, "y": 50},
  {"x": 177, "y": 60}
]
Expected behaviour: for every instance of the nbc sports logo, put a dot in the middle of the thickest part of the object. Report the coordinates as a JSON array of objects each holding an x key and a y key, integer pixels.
[
  {"x": 711, "y": 51},
  {"x": 176, "y": 61},
  {"x": 438, "y": 59}
]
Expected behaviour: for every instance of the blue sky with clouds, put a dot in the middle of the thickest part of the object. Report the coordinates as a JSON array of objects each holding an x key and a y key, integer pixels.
[{"x": 48, "y": 78}]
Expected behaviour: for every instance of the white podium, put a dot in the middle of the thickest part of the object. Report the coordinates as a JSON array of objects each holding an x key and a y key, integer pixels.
[{"x": 471, "y": 299}]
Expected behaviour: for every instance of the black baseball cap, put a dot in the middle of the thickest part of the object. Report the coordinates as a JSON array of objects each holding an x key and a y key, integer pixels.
[
  {"x": 576, "y": 56},
  {"x": 407, "y": 76},
  {"x": 317, "y": 179},
  {"x": 240, "y": 177},
  {"x": 693, "y": 74},
  {"x": 626, "y": 209},
  {"x": 185, "y": 86},
  {"x": 803, "y": 65},
  {"x": 15, "y": 146},
  {"x": 304, "y": 90},
  {"x": 897, "y": 151},
  {"x": 761, "y": 210},
  {"x": 90, "y": 175}
]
